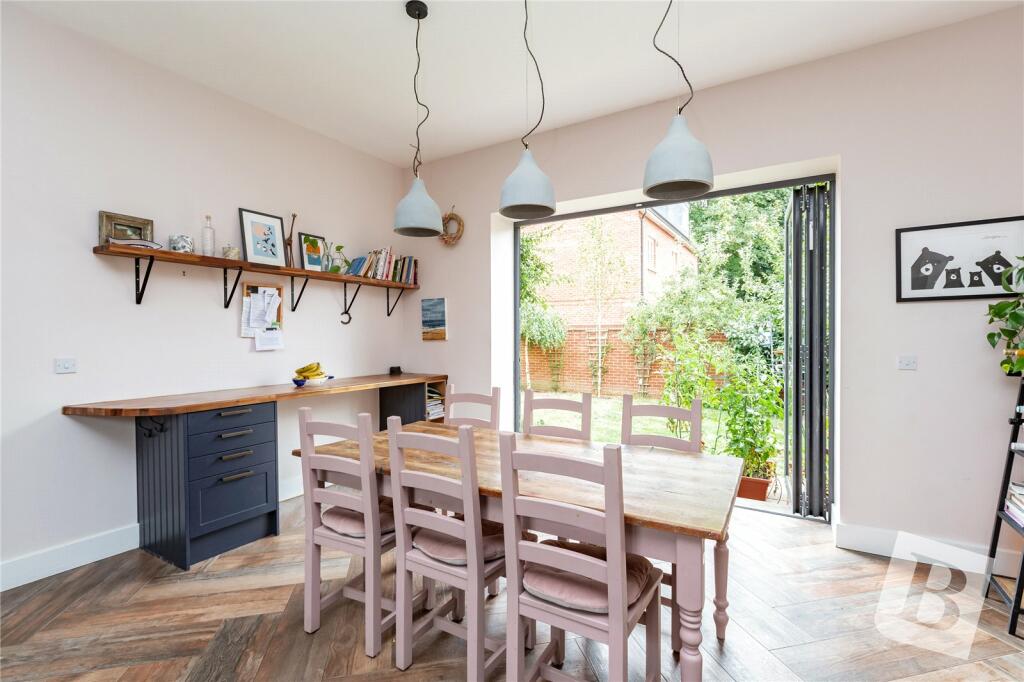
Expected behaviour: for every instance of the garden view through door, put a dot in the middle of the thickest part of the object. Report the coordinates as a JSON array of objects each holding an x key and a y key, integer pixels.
[{"x": 673, "y": 301}]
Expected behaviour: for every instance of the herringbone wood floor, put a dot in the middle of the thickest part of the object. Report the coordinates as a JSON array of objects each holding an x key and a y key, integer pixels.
[{"x": 800, "y": 608}]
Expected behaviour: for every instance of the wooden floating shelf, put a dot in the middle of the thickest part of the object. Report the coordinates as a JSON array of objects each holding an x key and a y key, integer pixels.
[
  {"x": 165, "y": 256},
  {"x": 240, "y": 266}
]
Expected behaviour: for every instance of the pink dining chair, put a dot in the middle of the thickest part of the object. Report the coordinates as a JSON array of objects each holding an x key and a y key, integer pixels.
[
  {"x": 582, "y": 406},
  {"x": 359, "y": 523},
  {"x": 692, "y": 417},
  {"x": 493, "y": 401},
  {"x": 462, "y": 551},
  {"x": 595, "y": 590}
]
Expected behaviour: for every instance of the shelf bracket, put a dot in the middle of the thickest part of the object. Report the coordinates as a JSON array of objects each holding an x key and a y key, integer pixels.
[
  {"x": 142, "y": 280},
  {"x": 346, "y": 314},
  {"x": 231, "y": 295},
  {"x": 391, "y": 308},
  {"x": 295, "y": 301}
]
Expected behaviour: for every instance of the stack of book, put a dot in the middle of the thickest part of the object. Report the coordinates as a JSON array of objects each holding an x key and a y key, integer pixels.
[
  {"x": 383, "y": 264},
  {"x": 1015, "y": 502},
  {"x": 435, "y": 403}
]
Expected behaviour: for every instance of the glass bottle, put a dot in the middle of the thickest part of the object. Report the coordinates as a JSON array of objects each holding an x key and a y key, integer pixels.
[{"x": 209, "y": 238}]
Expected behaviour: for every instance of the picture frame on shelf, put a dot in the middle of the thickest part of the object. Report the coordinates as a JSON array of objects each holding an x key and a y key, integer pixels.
[
  {"x": 312, "y": 251},
  {"x": 262, "y": 237},
  {"x": 120, "y": 226},
  {"x": 954, "y": 261}
]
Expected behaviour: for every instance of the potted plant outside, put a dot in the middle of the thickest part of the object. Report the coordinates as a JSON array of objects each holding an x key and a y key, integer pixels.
[{"x": 750, "y": 405}]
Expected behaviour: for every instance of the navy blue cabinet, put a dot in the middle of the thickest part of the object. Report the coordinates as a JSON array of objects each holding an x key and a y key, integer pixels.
[{"x": 207, "y": 481}]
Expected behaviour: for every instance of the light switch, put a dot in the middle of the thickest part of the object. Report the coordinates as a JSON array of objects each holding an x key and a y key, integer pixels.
[
  {"x": 907, "y": 363},
  {"x": 65, "y": 365}
]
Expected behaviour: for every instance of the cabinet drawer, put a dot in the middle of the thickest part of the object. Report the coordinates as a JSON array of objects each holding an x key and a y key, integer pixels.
[
  {"x": 230, "y": 417},
  {"x": 220, "y": 501},
  {"x": 234, "y": 438},
  {"x": 231, "y": 460}
]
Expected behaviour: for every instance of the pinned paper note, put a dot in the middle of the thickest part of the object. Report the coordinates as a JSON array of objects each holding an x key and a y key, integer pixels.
[{"x": 269, "y": 339}]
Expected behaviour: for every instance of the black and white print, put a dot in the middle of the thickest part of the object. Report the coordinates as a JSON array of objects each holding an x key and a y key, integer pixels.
[{"x": 957, "y": 260}]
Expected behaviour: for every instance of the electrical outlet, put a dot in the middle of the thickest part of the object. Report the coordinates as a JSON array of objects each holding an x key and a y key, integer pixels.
[
  {"x": 65, "y": 365},
  {"x": 907, "y": 363}
]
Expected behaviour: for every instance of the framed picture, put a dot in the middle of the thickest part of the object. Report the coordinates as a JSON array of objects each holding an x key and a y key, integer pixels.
[
  {"x": 262, "y": 237},
  {"x": 434, "y": 316},
  {"x": 956, "y": 260},
  {"x": 312, "y": 249},
  {"x": 121, "y": 226}
]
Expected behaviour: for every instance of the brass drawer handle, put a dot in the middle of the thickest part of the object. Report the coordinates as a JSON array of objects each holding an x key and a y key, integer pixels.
[
  {"x": 235, "y": 413},
  {"x": 234, "y": 434},
  {"x": 236, "y": 477},
  {"x": 235, "y": 455}
]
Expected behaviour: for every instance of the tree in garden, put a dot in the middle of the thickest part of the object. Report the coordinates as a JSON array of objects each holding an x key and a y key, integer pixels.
[
  {"x": 538, "y": 325},
  {"x": 741, "y": 241},
  {"x": 535, "y": 271},
  {"x": 602, "y": 269}
]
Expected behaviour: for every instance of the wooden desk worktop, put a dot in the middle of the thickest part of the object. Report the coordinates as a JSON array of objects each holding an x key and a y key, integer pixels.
[
  {"x": 211, "y": 400},
  {"x": 677, "y": 492}
]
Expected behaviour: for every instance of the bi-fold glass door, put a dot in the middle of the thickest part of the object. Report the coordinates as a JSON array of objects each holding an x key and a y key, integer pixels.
[{"x": 810, "y": 349}]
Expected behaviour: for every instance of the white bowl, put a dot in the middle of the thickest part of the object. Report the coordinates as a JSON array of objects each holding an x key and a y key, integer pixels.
[{"x": 316, "y": 382}]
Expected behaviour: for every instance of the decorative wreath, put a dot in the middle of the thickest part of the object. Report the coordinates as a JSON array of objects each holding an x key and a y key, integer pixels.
[{"x": 448, "y": 237}]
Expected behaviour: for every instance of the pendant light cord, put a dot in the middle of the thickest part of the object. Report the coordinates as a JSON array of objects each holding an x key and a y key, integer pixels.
[
  {"x": 654, "y": 41},
  {"x": 417, "y": 159},
  {"x": 526, "y": 39}
]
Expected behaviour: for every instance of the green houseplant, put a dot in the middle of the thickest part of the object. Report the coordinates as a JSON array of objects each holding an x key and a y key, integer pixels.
[{"x": 1008, "y": 316}]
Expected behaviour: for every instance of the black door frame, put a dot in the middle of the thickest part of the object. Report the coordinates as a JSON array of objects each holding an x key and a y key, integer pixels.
[{"x": 829, "y": 178}]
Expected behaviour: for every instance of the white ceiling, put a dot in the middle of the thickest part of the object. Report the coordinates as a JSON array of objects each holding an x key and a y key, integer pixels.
[{"x": 345, "y": 69}]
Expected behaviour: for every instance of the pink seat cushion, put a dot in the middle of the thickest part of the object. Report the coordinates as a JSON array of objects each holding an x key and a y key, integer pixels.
[
  {"x": 577, "y": 592},
  {"x": 449, "y": 550},
  {"x": 350, "y": 523}
]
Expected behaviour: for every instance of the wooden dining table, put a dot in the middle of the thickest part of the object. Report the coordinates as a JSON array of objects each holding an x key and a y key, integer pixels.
[{"x": 673, "y": 503}]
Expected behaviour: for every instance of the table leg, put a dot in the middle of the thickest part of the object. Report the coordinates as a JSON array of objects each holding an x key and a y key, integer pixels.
[
  {"x": 690, "y": 595},
  {"x": 721, "y": 585}
]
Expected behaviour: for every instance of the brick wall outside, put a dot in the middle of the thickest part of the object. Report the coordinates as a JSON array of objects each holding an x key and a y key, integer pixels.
[
  {"x": 621, "y": 375},
  {"x": 575, "y": 376}
]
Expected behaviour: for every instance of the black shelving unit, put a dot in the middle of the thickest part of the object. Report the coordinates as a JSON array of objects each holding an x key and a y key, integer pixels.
[{"x": 1010, "y": 590}]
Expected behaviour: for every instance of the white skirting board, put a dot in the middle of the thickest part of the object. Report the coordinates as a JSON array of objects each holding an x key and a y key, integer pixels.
[
  {"x": 53, "y": 560},
  {"x": 883, "y": 542}
]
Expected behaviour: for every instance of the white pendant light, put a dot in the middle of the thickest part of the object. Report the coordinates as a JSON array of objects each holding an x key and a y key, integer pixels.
[
  {"x": 528, "y": 192},
  {"x": 679, "y": 168},
  {"x": 417, "y": 215}
]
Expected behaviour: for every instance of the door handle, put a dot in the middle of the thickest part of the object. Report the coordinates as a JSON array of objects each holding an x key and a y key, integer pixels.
[
  {"x": 234, "y": 434},
  {"x": 235, "y": 455},
  {"x": 236, "y": 477},
  {"x": 234, "y": 413}
]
